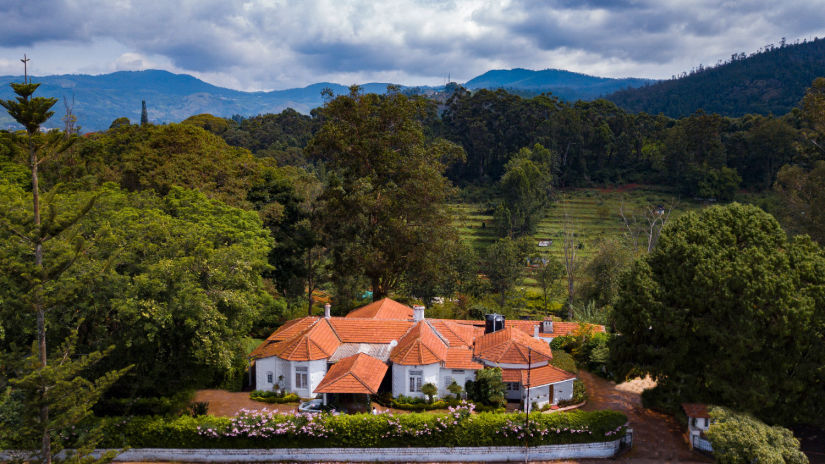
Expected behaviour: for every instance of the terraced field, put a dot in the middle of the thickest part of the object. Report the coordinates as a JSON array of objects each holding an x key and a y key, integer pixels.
[{"x": 593, "y": 213}]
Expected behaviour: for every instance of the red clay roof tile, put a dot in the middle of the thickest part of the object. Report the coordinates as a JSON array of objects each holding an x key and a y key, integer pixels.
[
  {"x": 461, "y": 358},
  {"x": 419, "y": 346},
  {"x": 360, "y": 373},
  {"x": 351, "y": 330},
  {"x": 384, "y": 308},
  {"x": 511, "y": 346},
  {"x": 696, "y": 410}
]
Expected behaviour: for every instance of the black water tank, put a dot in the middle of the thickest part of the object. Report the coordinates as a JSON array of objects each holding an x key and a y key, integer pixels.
[{"x": 493, "y": 323}]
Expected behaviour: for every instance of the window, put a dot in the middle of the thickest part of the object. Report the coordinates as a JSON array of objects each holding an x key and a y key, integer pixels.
[
  {"x": 301, "y": 377},
  {"x": 512, "y": 386},
  {"x": 416, "y": 379},
  {"x": 269, "y": 377},
  {"x": 458, "y": 371}
]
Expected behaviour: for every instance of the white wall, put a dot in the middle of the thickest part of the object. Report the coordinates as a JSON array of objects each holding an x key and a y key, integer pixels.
[
  {"x": 514, "y": 366},
  {"x": 401, "y": 378},
  {"x": 539, "y": 395},
  {"x": 316, "y": 370},
  {"x": 461, "y": 376},
  {"x": 563, "y": 391}
]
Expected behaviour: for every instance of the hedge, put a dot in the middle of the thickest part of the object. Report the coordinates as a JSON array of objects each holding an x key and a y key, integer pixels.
[
  {"x": 272, "y": 430},
  {"x": 273, "y": 397}
]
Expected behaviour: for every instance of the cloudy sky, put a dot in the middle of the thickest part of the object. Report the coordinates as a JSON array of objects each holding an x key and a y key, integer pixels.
[{"x": 276, "y": 44}]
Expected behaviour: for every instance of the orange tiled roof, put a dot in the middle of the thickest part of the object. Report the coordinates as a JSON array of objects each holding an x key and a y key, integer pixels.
[
  {"x": 511, "y": 346},
  {"x": 360, "y": 373},
  {"x": 352, "y": 330},
  {"x": 461, "y": 358},
  {"x": 316, "y": 342},
  {"x": 539, "y": 376},
  {"x": 291, "y": 328},
  {"x": 545, "y": 375},
  {"x": 456, "y": 334},
  {"x": 696, "y": 410},
  {"x": 419, "y": 346},
  {"x": 384, "y": 308}
]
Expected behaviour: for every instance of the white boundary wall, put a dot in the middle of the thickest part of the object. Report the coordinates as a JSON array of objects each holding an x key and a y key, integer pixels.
[{"x": 458, "y": 454}]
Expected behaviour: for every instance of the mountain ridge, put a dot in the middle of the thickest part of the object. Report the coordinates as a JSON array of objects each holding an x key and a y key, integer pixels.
[{"x": 171, "y": 97}]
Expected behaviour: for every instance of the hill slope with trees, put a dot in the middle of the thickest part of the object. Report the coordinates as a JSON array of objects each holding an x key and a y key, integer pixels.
[{"x": 772, "y": 80}]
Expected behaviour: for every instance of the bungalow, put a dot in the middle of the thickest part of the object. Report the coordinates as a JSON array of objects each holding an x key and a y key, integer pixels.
[
  {"x": 698, "y": 424},
  {"x": 388, "y": 346}
]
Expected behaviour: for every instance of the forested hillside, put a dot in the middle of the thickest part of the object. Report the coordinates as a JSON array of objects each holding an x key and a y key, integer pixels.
[{"x": 770, "y": 81}]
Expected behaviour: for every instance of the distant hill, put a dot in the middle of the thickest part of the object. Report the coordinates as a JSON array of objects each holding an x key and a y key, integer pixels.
[
  {"x": 564, "y": 84},
  {"x": 174, "y": 97},
  {"x": 169, "y": 97},
  {"x": 772, "y": 80}
]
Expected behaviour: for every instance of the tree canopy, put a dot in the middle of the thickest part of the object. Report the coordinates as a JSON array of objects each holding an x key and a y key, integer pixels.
[{"x": 727, "y": 309}]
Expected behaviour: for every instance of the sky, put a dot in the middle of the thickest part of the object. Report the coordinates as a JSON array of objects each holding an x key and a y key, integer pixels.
[{"x": 279, "y": 44}]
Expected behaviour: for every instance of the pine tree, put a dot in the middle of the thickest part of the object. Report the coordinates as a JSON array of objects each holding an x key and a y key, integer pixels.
[
  {"x": 144, "y": 115},
  {"x": 58, "y": 394}
]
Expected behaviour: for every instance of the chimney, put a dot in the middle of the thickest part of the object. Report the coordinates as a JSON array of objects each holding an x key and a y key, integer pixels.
[
  {"x": 327, "y": 307},
  {"x": 536, "y": 331},
  {"x": 547, "y": 325},
  {"x": 418, "y": 313}
]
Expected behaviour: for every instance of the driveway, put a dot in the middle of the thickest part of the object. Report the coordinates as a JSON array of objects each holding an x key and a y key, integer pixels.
[
  {"x": 657, "y": 438},
  {"x": 225, "y": 403}
]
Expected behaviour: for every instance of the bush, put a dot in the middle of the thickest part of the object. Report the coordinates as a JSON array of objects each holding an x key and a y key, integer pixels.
[
  {"x": 741, "y": 438},
  {"x": 563, "y": 360},
  {"x": 151, "y": 406},
  {"x": 272, "y": 430},
  {"x": 274, "y": 397},
  {"x": 487, "y": 388}
]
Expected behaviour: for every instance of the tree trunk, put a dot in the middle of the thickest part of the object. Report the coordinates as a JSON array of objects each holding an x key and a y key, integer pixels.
[{"x": 46, "y": 445}]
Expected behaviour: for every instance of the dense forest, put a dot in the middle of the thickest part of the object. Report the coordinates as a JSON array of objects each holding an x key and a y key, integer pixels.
[
  {"x": 769, "y": 81},
  {"x": 162, "y": 248}
]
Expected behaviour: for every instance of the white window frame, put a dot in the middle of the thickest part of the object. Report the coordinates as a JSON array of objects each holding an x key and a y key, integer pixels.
[
  {"x": 270, "y": 377},
  {"x": 301, "y": 377},
  {"x": 416, "y": 381},
  {"x": 512, "y": 386}
]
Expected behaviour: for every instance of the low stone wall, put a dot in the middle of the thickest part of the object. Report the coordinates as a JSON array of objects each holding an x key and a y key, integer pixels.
[{"x": 459, "y": 454}]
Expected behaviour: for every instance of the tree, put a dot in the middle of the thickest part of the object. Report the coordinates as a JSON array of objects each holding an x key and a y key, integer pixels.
[
  {"x": 430, "y": 390},
  {"x": 571, "y": 245},
  {"x": 385, "y": 200},
  {"x": 455, "y": 389},
  {"x": 644, "y": 224},
  {"x": 526, "y": 188},
  {"x": 548, "y": 275},
  {"x": 604, "y": 271},
  {"x": 803, "y": 197},
  {"x": 503, "y": 265},
  {"x": 727, "y": 309},
  {"x": 743, "y": 439},
  {"x": 487, "y": 388},
  {"x": 55, "y": 391},
  {"x": 144, "y": 115}
]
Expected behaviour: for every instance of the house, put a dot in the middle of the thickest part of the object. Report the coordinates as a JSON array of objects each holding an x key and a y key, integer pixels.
[
  {"x": 698, "y": 423},
  {"x": 388, "y": 346}
]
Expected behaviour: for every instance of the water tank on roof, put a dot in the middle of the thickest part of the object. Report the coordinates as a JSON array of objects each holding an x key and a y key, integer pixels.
[{"x": 493, "y": 323}]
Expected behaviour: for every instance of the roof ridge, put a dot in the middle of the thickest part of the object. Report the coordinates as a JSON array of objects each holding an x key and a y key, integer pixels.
[{"x": 438, "y": 334}]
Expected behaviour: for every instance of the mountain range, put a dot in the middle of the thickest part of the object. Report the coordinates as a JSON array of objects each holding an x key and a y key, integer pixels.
[{"x": 100, "y": 99}]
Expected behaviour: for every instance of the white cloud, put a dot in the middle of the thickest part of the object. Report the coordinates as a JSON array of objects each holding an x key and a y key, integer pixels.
[{"x": 272, "y": 44}]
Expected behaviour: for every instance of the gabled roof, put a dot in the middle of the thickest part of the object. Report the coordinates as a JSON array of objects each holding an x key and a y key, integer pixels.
[
  {"x": 461, "y": 358},
  {"x": 291, "y": 328},
  {"x": 561, "y": 329},
  {"x": 317, "y": 342},
  {"x": 545, "y": 375},
  {"x": 360, "y": 373},
  {"x": 384, "y": 308},
  {"x": 456, "y": 334},
  {"x": 511, "y": 346},
  {"x": 539, "y": 376},
  {"x": 420, "y": 346},
  {"x": 369, "y": 330},
  {"x": 696, "y": 410}
]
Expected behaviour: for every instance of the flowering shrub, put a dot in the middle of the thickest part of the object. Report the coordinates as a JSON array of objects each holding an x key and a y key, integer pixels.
[{"x": 459, "y": 426}]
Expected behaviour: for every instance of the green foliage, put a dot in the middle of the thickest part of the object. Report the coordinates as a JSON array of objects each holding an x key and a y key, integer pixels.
[
  {"x": 503, "y": 265},
  {"x": 199, "y": 408},
  {"x": 525, "y": 191},
  {"x": 603, "y": 273},
  {"x": 455, "y": 389},
  {"x": 487, "y": 389},
  {"x": 430, "y": 390},
  {"x": 282, "y": 136},
  {"x": 742, "y": 439},
  {"x": 172, "y": 405},
  {"x": 802, "y": 193},
  {"x": 727, "y": 309},
  {"x": 369, "y": 431},
  {"x": 384, "y": 206},
  {"x": 563, "y": 360},
  {"x": 407, "y": 403},
  {"x": 208, "y": 122},
  {"x": 119, "y": 122},
  {"x": 280, "y": 397},
  {"x": 588, "y": 348}
]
